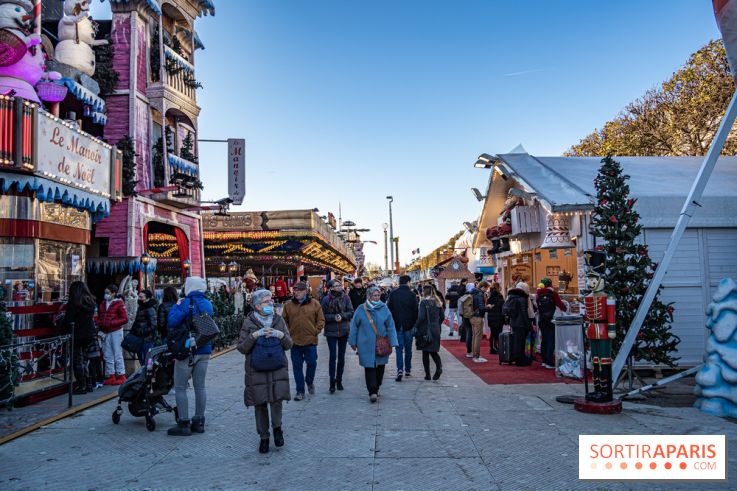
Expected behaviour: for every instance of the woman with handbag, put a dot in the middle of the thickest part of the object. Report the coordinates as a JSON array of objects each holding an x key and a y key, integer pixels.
[
  {"x": 78, "y": 319},
  {"x": 264, "y": 339},
  {"x": 427, "y": 339},
  {"x": 194, "y": 366},
  {"x": 373, "y": 335}
]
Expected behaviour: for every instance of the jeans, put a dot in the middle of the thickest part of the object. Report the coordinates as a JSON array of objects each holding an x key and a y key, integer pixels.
[
  {"x": 337, "y": 353},
  {"x": 374, "y": 377},
  {"x": 113, "y": 352},
  {"x": 262, "y": 418},
  {"x": 301, "y": 355},
  {"x": 182, "y": 372},
  {"x": 547, "y": 330},
  {"x": 477, "y": 327},
  {"x": 404, "y": 360},
  {"x": 147, "y": 345},
  {"x": 453, "y": 319},
  {"x": 463, "y": 329}
]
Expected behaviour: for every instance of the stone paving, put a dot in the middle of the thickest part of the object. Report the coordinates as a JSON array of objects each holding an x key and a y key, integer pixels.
[{"x": 457, "y": 433}]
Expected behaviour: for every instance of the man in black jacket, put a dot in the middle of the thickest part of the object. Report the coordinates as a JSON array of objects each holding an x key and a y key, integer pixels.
[
  {"x": 357, "y": 293},
  {"x": 404, "y": 307},
  {"x": 452, "y": 296}
]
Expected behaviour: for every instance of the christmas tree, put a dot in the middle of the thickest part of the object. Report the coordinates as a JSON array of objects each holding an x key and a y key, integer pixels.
[
  {"x": 187, "y": 151},
  {"x": 629, "y": 267},
  {"x": 128, "y": 148}
]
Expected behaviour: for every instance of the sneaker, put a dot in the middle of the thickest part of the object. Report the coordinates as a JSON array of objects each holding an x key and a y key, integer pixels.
[
  {"x": 469, "y": 355},
  {"x": 98, "y": 385},
  {"x": 110, "y": 380},
  {"x": 545, "y": 365},
  {"x": 339, "y": 384},
  {"x": 120, "y": 380},
  {"x": 399, "y": 376},
  {"x": 311, "y": 390},
  {"x": 299, "y": 396},
  {"x": 480, "y": 359},
  {"x": 373, "y": 397},
  {"x": 407, "y": 374}
]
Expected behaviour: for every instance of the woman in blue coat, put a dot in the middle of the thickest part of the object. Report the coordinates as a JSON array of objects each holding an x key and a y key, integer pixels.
[{"x": 362, "y": 337}]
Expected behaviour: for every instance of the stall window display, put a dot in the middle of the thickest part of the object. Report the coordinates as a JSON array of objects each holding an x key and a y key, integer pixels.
[
  {"x": 16, "y": 270},
  {"x": 59, "y": 264}
]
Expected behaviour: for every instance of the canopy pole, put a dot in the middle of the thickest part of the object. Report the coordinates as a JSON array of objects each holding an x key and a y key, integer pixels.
[{"x": 689, "y": 207}]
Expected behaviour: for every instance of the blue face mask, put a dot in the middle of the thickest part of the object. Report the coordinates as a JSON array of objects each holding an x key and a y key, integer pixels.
[{"x": 268, "y": 309}]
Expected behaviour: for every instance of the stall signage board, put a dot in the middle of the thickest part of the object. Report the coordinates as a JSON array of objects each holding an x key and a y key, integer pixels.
[
  {"x": 236, "y": 170},
  {"x": 72, "y": 157}
]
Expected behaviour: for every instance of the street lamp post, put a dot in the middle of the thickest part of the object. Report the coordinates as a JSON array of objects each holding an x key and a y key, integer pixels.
[
  {"x": 187, "y": 265},
  {"x": 386, "y": 248},
  {"x": 232, "y": 268},
  {"x": 391, "y": 230},
  {"x": 145, "y": 259}
]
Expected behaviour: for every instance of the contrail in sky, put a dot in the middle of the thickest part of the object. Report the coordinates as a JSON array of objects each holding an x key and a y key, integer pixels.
[{"x": 524, "y": 72}]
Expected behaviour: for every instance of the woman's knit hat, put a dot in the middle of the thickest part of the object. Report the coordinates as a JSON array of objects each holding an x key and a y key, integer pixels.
[
  {"x": 259, "y": 296},
  {"x": 194, "y": 284}
]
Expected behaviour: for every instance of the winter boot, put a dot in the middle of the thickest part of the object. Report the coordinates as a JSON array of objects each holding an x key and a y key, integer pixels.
[
  {"x": 263, "y": 446},
  {"x": 339, "y": 384},
  {"x": 181, "y": 429},
  {"x": 278, "y": 437},
  {"x": 438, "y": 372},
  {"x": 332, "y": 386},
  {"x": 198, "y": 424}
]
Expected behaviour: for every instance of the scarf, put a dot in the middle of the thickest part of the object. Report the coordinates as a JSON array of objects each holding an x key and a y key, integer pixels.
[{"x": 265, "y": 320}]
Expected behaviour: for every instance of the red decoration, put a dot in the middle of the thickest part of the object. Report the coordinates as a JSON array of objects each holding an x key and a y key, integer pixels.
[
  {"x": 613, "y": 219},
  {"x": 630, "y": 203}
]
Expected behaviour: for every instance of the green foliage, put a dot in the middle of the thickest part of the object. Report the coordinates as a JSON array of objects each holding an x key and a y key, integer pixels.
[
  {"x": 187, "y": 151},
  {"x": 158, "y": 158},
  {"x": 230, "y": 328},
  {"x": 629, "y": 267},
  {"x": 105, "y": 74},
  {"x": 678, "y": 118},
  {"x": 9, "y": 373},
  {"x": 128, "y": 147},
  {"x": 154, "y": 57},
  {"x": 222, "y": 303}
]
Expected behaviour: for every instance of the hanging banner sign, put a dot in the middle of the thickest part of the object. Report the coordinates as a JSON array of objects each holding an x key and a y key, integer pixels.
[
  {"x": 237, "y": 170},
  {"x": 72, "y": 157}
]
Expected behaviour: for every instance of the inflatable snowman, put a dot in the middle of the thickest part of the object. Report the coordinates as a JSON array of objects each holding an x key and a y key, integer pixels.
[{"x": 77, "y": 37}]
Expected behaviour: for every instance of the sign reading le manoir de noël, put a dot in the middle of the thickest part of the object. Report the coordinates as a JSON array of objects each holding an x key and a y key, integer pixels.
[{"x": 71, "y": 157}]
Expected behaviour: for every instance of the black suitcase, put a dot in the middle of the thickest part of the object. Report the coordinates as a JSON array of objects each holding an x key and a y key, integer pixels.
[{"x": 506, "y": 348}]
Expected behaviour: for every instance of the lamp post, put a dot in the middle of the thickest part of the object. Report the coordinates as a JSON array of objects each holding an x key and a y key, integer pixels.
[
  {"x": 187, "y": 265},
  {"x": 232, "y": 268},
  {"x": 145, "y": 259},
  {"x": 385, "y": 226},
  {"x": 391, "y": 230}
]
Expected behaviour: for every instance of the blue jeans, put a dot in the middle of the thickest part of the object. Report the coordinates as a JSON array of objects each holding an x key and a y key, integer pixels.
[
  {"x": 147, "y": 345},
  {"x": 301, "y": 355},
  {"x": 404, "y": 362},
  {"x": 337, "y": 354}
]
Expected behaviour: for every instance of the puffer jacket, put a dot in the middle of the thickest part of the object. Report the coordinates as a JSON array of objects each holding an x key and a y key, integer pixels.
[
  {"x": 113, "y": 317},
  {"x": 515, "y": 308},
  {"x": 305, "y": 320},
  {"x": 145, "y": 323},
  {"x": 494, "y": 315},
  {"x": 332, "y": 306},
  {"x": 162, "y": 317},
  {"x": 264, "y": 387},
  {"x": 431, "y": 317},
  {"x": 180, "y": 312}
]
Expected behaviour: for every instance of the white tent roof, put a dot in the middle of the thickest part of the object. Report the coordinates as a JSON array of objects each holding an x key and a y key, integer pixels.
[{"x": 661, "y": 185}]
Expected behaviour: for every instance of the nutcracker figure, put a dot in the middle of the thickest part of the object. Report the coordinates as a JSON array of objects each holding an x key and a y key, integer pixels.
[{"x": 601, "y": 323}]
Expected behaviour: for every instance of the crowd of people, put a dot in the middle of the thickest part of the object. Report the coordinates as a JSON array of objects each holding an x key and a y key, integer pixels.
[{"x": 373, "y": 321}]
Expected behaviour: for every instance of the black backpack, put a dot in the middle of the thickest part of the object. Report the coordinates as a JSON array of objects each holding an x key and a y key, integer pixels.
[
  {"x": 178, "y": 336},
  {"x": 546, "y": 306}
]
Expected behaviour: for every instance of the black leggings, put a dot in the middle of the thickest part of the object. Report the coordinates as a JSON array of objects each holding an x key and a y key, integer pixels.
[
  {"x": 374, "y": 377},
  {"x": 426, "y": 361}
]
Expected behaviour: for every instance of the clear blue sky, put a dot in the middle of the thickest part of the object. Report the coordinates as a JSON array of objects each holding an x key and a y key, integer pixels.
[{"x": 349, "y": 101}]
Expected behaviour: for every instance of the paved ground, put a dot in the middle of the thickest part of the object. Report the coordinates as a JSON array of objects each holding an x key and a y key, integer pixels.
[{"x": 458, "y": 433}]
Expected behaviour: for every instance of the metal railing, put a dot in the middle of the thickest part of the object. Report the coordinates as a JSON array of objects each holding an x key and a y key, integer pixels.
[
  {"x": 183, "y": 80},
  {"x": 31, "y": 362}
]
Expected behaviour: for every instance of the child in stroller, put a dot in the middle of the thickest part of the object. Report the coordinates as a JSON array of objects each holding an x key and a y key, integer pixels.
[{"x": 145, "y": 390}]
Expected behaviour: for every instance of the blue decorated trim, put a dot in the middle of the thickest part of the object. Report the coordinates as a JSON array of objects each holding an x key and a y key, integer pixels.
[
  {"x": 84, "y": 95},
  {"x": 182, "y": 165},
  {"x": 115, "y": 265},
  {"x": 170, "y": 54},
  {"x": 50, "y": 191},
  {"x": 207, "y": 7}
]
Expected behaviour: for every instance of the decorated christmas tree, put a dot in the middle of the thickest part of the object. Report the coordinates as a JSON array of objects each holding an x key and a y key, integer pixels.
[{"x": 629, "y": 267}]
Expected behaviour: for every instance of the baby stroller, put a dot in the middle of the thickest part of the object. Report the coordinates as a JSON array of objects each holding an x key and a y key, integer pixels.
[{"x": 144, "y": 391}]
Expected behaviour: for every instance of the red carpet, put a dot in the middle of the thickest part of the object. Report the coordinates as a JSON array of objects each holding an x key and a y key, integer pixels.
[{"x": 494, "y": 373}]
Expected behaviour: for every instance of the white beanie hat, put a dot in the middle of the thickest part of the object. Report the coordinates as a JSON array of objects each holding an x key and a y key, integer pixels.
[
  {"x": 524, "y": 286},
  {"x": 194, "y": 284}
]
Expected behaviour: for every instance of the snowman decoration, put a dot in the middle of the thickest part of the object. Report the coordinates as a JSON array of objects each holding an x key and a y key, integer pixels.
[
  {"x": 22, "y": 59},
  {"x": 77, "y": 37}
]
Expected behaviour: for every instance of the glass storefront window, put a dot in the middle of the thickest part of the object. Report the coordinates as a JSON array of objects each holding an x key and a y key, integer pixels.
[
  {"x": 16, "y": 270},
  {"x": 59, "y": 264}
]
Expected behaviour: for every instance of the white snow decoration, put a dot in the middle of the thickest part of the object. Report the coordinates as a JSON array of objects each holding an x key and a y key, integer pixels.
[
  {"x": 76, "y": 37},
  {"x": 717, "y": 380}
]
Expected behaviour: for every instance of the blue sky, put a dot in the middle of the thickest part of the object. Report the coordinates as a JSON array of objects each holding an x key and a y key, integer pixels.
[{"x": 349, "y": 101}]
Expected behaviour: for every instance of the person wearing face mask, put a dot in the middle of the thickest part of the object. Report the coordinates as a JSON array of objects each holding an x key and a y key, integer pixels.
[
  {"x": 372, "y": 319},
  {"x": 111, "y": 317},
  {"x": 145, "y": 324},
  {"x": 338, "y": 311},
  {"x": 265, "y": 390},
  {"x": 305, "y": 320}
]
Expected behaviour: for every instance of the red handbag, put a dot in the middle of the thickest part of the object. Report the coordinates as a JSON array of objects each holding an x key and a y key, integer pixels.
[{"x": 383, "y": 347}]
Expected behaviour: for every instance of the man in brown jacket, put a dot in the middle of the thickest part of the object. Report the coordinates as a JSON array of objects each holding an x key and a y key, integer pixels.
[{"x": 305, "y": 320}]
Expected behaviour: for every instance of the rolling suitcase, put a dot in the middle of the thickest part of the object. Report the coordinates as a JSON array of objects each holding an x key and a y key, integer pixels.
[{"x": 506, "y": 348}]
